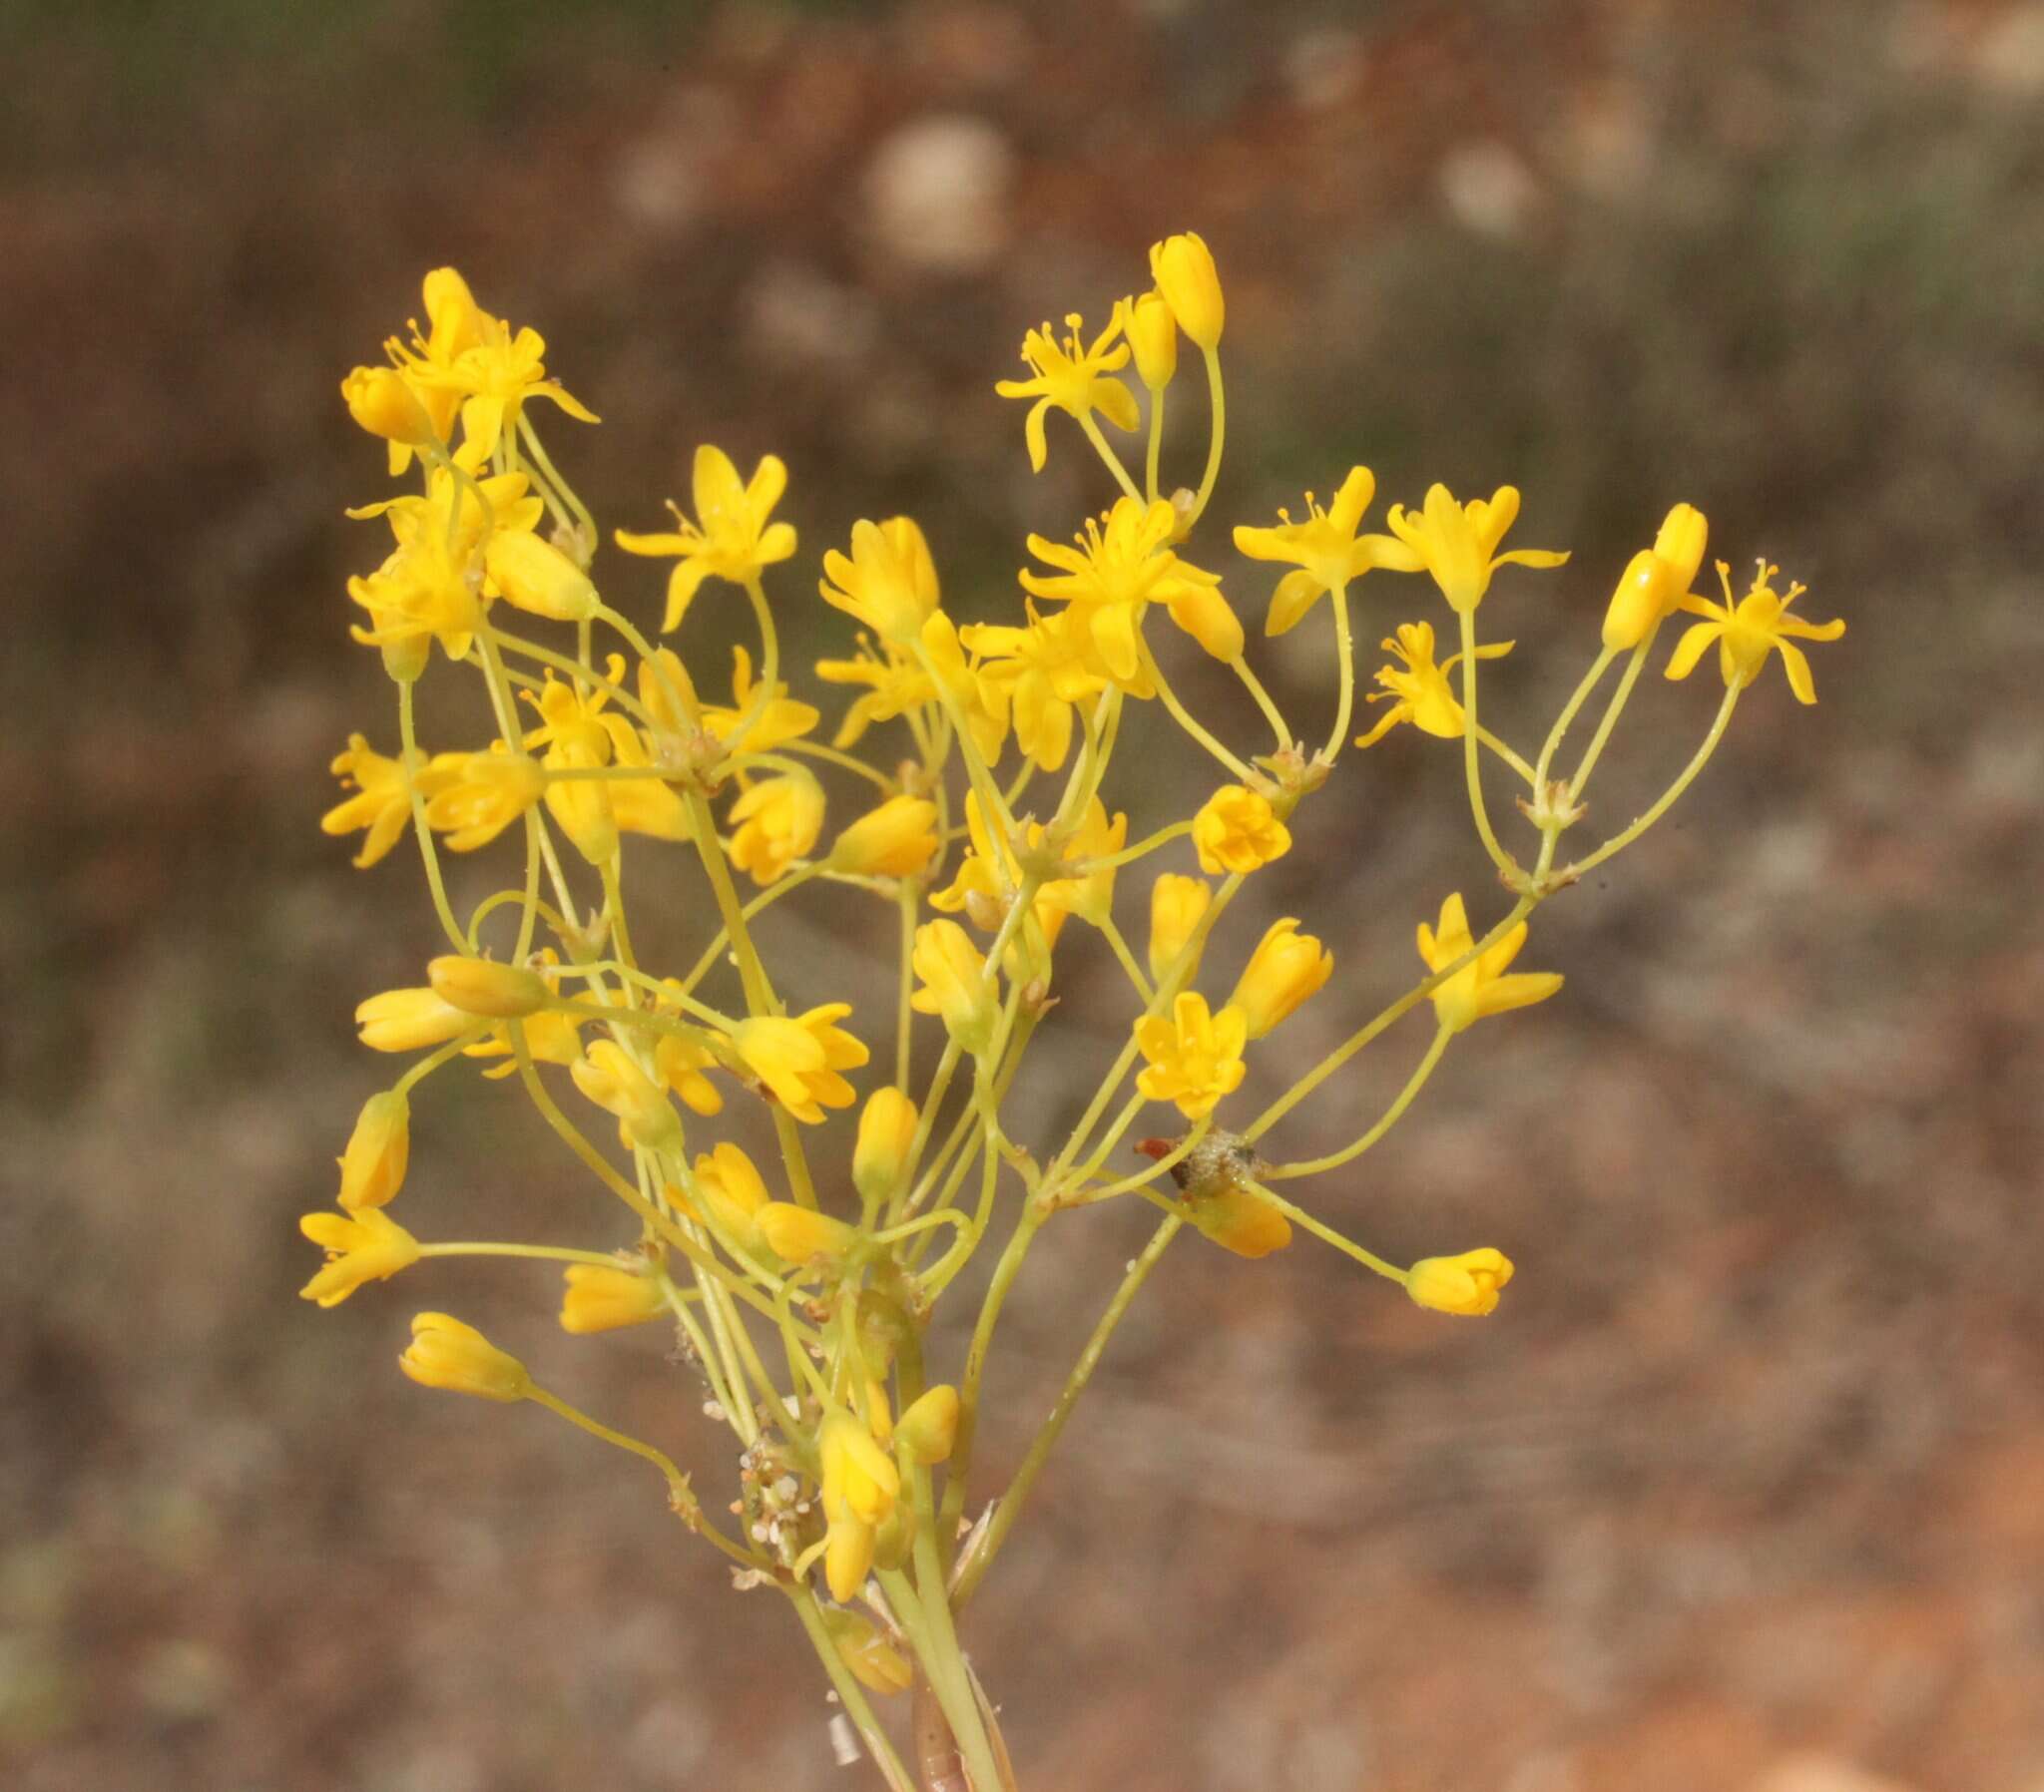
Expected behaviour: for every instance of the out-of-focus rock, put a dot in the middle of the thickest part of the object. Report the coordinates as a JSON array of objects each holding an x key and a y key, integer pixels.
[
  {"x": 1488, "y": 189},
  {"x": 661, "y": 180},
  {"x": 937, "y": 190},
  {"x": 1323, "y": 67},
  {"x": 1822, "y": 1773},
  {"x": 793, "y": 313}
]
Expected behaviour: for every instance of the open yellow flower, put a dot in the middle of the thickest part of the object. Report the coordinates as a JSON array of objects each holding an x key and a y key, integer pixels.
[
  {"x": 1481, "y": 987},
  {"x": 1421, "y": 694},
  {"x": 1074, "y": 377},
  {"x": 1237, "y": 831},
  {"x": 954, "y": 984},
  {"x": 364, "y": 1245},
  {"x": 733, "y": 1194},
  {"x": 775, "y": 717},
  {"x": 731, "y": 538},
  {"x": 1457, "y": 543},
  {"x": 1038, "y": 674},
  {"x": 798, "y": 1060},
  {"x": 889, "y": 582},
  {"x": 498, "y": 377},
  {"x": 1195, "y": 1056},
  {"x": 381, "y": 802},
  {"x": 1746, "y": 633},
  {"x": 426, "y": 363},
  {"x": 895, "y": 684},
  {"x": 778, "y": 820},
  {"x": 1467, "y": 1284},
  {"x": 1325, "y": 551},
  {"x": 476, "y": 796}
]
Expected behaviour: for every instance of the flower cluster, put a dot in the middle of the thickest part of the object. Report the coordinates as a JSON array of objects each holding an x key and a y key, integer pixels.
[{"x": 799, "y": 1283}]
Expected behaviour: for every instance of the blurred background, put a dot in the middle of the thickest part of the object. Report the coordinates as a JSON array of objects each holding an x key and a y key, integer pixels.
[{"x": 1743, "y": 1487}]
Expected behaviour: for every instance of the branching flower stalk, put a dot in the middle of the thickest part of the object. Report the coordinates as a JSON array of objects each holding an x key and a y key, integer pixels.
[{"x": 802, "y": 1289}]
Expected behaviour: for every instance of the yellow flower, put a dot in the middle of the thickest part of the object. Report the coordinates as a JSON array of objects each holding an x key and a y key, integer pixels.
[
  {"x": 550, "y": 1036},
  {"x": 382, "y": 401},
  {"x": 861, "y": 1485},
  {"x": 874, "y": 1662},
  {"x": 931, "y": 1425},
  {"x": 455, "y": 324},
  {"x": 481, "y": 986},
  {"x": 1467, "y": 1284},
  {"x": 775, "y": 717},
  {"x": 1457, "y": 543},
  {"x": 1194, "y": 1058},
  {"x": 1421, "y": 694},
  {"x": 481, "y": 794},
  {"x": 1481, "y": 986},
  {"x": 1124, "y": 563},
  {"x": 679, "y": 1065},
  {"x": 803, "y": 1235},
  {"x": 897, "y": 839},
  {"x": 798, "y": 1060},
  {"x": 964, "y": 691},
  {"x": 1656, "y": 578},
  {"x": 731, "y": 538},
  {"x": 409, "y": 1021},
  {"x": 600, "y": 1299},
  {"x": 895, "y": 685},
  {"x": 1748, "y": 632},
  {"x": 1325, "y": 551},
  {"x": 580, "y": 734},
  {"x": 379, "y": 1150},
  {"x": 1236, "y": 1220},
  {"x": 445, "y": 1353},
  {"x": 498, "y": 377},
  {"x": 535, "y": 576},
  {"x": 732, "y": 1194},
  {"x": 1074, "y": 378},
  {"x": 891, "y": 580},
  {"x": 886, "y": 1134},
  {"x": 381, "y": 802},
  {"x": 1153, "y": 333},
  {"x": 1177, "y": 907},
  {"x": 1183, "y": 267},
  {"x": 1037, "y": 676},
  {"x": 611, "y": 1077},
  {"x": 955, "y": 985},
  {"x": 778, "y": 820},
  {"x": 1237, "y": 830},
  {"x": 1286, "y": 967},
  {"x": 363, "y": 1246}
]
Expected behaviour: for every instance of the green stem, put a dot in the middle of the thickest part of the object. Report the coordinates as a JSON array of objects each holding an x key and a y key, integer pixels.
[{"x": 1390, "y": 1119}]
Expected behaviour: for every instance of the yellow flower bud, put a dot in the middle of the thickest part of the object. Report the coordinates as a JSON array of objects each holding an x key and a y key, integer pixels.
[
  {"x": 445, "y": 1353},
  {"x": 858, "y": 1475},
  {"x": 372, "y": 1168},
  {"x": 1467, "y": 1284},
  {"x": 603, "y": 1298},
  {"x": 779, "y": 821},
  {"x": 732, "y": 1192},
  {"x": 886, "y": 1130},
  {"x": 1203, "y": 613},
  {"x": 897, "y": 839},
  {"x": 609, "y": 1076},
  {"x": 803, "y": 1235},
  {"x": 382, "y": 401},
  {"x": 1640, "y": 600},
  {"x": 1236, "y": 1220},
  {"x": 1237, "y": 831},
  {"x": 954, "y": 984},
  {"x": 1286, "y": 967},
  {"x": 847, "y": 1555},
  {"x": 1679, "y": 546},
  {"x": 409, "y": 1021},
  {"x": 480, "y": 986},
  {"x": 873, "y": 1661},
  {"x": 931, "y": 1425},
  {"x": 536, "y": 576},
  {"x": 368, "y": 1246},
  {"x": 1178, "y": 905},
  {"x": 1153, "y": 331},
  {"x": 1183, "y": 267}
]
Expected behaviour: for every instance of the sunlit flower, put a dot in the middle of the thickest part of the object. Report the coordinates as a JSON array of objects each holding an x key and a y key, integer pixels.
[
  {"x": 771, "y": 717},
  {"x": 1285, "y": 969},
  {"x": 1178, "y": 905},
  {"x": 1039, "y": 673},
  {"x": 580, "y": 734},
  {"x": 798, "y": 1060},
  {"x": 381, "y": 802},
  {"x": 895, "y": 685},
  {"x": 1481, "y": 987},
  {"x": 1421, "y": 694},
  {"x": 383, "y": 403},
  {"x": 1467, "y": 1284},
  {"x": 896, "y": 839},
  {"x": 971, "y": 700},
  {"x": 1325, "y": 551},
  {"x": 1073, "y": 377},
  {"x": 362, "y": 1247},
  {"x": 535, "y": 576},
  {"x": 1237, "y": 831},
  {"x": 1183, "y": 267},
  {"x": 478, "y": 795},
  {"x": 497, "y": 377},
  {"x": 1194, "y": 1058},
  {"x": 379, "y": 1150},
  {"x": 954, "y": 985},
  {"x": 445, "y": 1353},
  {"x": 426, "y": 364},
  {"x": 1457, "y": 543},
  {"x": 777, "y": 821},
  {"x": 1746, "y": 633},
  {"x": 731, "y": 538},
  {"x": 601, "y": 1297},
  {"x": 889, "y": 582}
]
